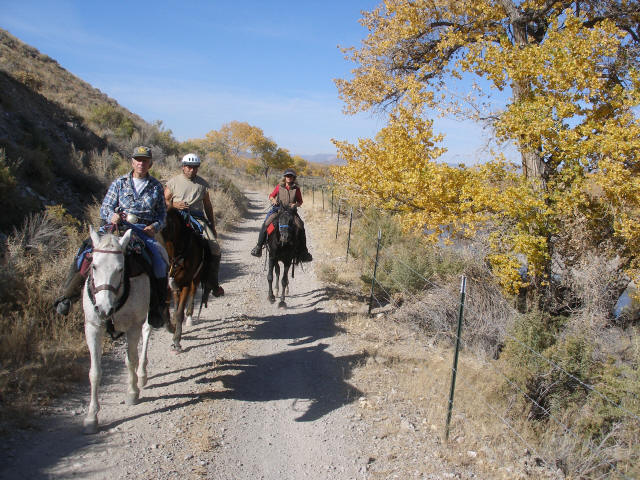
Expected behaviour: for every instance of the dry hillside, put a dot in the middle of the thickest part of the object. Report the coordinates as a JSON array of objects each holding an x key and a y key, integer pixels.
[{"x": 58, "y": 134}]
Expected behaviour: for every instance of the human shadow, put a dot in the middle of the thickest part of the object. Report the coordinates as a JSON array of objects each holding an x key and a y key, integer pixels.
[{"x": 308, "y": 374}]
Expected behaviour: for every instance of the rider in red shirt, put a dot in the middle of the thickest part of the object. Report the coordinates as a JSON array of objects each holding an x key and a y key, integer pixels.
[{"x": 287, "y": 193}]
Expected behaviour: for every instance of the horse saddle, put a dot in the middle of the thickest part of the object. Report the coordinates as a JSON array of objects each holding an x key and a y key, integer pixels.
[{"x": 137, "y": 258}]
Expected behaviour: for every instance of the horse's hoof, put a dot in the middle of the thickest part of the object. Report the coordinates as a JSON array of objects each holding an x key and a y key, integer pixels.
[
  {"x": 90, "y": 427},
  {"x": 176, "y": 349},
  {"x": 282, "y": 305},
  {"x": 272, "y": 299},
  {"x": 188, "y": 321},
  {"x": 131, "y": 399}
]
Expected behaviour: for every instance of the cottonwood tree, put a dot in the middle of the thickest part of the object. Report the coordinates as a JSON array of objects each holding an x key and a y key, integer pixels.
[{"x": 572, "y": 70}]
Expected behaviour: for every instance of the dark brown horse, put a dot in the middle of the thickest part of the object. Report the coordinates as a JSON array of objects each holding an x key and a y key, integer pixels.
[
  {"x": 186, "y": 264},
  {"x": 281, "y": 247}
]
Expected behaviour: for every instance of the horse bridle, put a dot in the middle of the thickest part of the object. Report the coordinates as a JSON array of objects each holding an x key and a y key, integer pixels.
[
  {"x": 178, "y": 259},
  {"x": 107, "y": 286}
]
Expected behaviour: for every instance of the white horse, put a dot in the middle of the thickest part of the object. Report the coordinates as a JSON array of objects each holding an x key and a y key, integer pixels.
[{"x": 104, "y": 298}]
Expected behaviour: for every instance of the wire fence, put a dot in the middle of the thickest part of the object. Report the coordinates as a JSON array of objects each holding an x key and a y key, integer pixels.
[{"x": 601, "y": 462}]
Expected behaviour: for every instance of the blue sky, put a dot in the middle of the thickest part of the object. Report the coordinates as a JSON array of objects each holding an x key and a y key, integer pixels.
[{"x": 198, "y": 65}]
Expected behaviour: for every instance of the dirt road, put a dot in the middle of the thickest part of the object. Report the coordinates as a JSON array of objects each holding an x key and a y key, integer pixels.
[{"x": 258, "y": 393}]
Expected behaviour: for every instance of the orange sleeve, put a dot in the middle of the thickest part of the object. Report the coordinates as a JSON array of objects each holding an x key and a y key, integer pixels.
[{"x": 274, "y": 194}]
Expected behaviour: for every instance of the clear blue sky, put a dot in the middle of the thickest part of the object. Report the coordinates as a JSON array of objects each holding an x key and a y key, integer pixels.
[{"x": 197, "y": 65}]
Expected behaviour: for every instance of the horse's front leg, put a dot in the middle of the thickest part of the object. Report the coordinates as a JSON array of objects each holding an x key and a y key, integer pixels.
[
  {"x": 276, "y": 290},
  {"x": 93, "y": 334},
  {"x": 175, "y": 291},
  {"x": 285, "y": 284},
  {"x": 142, "y": 364},
  {"x": 190, "y": 299},
  {"x": 271, "y": 296},
  {"x": 133, "y": 392},
  {"x": 178, "y": 318}
]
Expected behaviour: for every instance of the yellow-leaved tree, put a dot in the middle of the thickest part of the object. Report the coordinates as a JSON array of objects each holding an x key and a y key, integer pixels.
[{"x": 572, "y": 70}]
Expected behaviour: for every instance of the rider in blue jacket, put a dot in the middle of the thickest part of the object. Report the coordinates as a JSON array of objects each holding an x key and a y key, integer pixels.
[{"x": 138, "y": 199}]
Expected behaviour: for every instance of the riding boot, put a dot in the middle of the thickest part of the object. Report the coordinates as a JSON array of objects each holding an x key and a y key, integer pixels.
[
  {"x": 262, "y": 238},
  {"x": 212, "y": 279},
  {"x": 303, "y": 253},
  {"x": 72, "y": 290},
  {"x": 158, "y": 307}
]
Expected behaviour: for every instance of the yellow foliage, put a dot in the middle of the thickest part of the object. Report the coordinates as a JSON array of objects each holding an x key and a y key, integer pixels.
[{"x": 574, "y": 92}]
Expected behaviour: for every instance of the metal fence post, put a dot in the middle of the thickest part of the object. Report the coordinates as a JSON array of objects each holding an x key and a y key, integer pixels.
[
  {"x": 338, "y": 218},
  {"x": 375, "y": 269},
  {"x": 313, "y": 194},
  {"x": 332, "y": 202},
  {"x": 346, "y": 259},
  {"x": 463, "y": 288},
  {"x": 322, "y": 189}
]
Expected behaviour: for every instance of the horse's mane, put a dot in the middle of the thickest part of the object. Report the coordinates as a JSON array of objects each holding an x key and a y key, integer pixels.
[{"x": 108, "y": 241}]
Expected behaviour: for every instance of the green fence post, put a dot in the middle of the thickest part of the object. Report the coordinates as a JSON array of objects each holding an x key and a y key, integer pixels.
[
  {"x": 349, "y": 235},
  {"x": 375, "y": 269},
  {"x": 463, "y": 288},
  {"x": 338, "y": 218}
]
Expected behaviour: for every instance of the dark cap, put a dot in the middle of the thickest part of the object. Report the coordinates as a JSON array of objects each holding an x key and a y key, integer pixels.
[
  {"x": 289, "y": 171},
  {"x": 142, "y": 152}
]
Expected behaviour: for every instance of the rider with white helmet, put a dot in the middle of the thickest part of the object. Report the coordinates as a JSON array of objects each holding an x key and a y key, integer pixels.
[{"x": 189, "y": 193}]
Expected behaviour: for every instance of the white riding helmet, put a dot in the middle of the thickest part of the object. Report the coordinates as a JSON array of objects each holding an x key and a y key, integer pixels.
[{"x": 191, "y": 159}]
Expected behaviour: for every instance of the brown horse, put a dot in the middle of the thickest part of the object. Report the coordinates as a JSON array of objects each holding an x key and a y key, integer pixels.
[{"x": 186, "y": 264}]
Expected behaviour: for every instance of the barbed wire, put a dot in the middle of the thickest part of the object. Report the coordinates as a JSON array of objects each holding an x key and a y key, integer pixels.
[
  {"x": 566, "y": 428},
  {"x": 428, "y": 281},
  {"x": 511, "y": 337}
]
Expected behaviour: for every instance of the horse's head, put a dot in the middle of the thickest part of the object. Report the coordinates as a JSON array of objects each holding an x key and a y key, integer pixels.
[
  {"x": 173, "y": 232},
  {"x": 106, "y": 277},
  {"x": 285, "y": 225}
]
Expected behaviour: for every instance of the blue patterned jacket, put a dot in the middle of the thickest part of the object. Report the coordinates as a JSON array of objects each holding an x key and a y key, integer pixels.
[{"x": 148, "y": 206}]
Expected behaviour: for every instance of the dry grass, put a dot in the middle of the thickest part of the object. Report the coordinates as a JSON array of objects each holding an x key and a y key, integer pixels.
[
  {"x": 407, "y": 377},
  {"x": 37, "y": 348},
  {"x": 406, "y": 383}
]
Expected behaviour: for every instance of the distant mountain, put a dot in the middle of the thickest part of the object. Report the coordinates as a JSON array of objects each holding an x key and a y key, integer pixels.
[{"x": 326, "y": 158}]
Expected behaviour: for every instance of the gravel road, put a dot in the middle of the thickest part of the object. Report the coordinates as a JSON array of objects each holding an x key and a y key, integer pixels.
[{"x": 258, "y": 393}]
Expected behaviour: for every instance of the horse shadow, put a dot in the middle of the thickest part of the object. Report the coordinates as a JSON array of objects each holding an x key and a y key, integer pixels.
[
  {"x": 301, "y": 328},
  {"x": 310, "y": 376}
]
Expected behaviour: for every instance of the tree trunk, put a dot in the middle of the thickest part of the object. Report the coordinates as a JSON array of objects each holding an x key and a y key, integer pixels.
[{"x": 532, "y": 164}]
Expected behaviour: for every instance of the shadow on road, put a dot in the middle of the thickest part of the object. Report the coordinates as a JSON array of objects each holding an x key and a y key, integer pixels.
[{"x": 309, "y": 373}]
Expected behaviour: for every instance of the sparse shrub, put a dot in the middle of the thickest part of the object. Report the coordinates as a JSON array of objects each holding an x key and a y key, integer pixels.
[
  {"x": 29, "y": 79},
  {"x": 7, "y": 180},
  {"x": 111, "y": 117},
  {"x": 36, "y": 347}
]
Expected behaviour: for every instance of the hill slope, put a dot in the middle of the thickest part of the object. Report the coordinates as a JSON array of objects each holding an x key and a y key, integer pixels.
[{"x": 51, "y": 126}]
